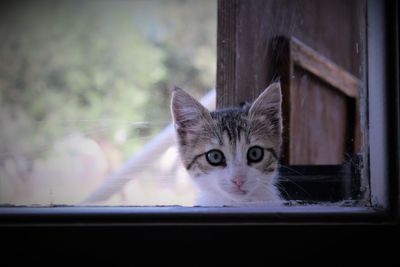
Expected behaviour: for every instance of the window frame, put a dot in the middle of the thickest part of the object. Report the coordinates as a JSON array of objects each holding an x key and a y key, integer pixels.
[
  {"x": 383, "y": 136},
  {"x": 124, "y": 235},
  {"x": 383, "y": 105}
]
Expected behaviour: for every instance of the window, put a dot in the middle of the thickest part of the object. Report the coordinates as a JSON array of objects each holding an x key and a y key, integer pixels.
[
  {"x": 112, "y": 65},
  {"x": 113, "y": 129},
  {"x": 360, "y": 234},
  {"x": 328, "y": 121}
]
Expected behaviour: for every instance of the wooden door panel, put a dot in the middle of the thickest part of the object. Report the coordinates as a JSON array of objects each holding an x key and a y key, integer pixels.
[
  {"x": 319, "y": 105},
  {"x": 325, "y": 42},
  {"x": 318, "y": 121}
]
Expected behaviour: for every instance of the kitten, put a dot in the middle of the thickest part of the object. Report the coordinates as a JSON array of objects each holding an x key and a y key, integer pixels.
[{"x": 231, "y": 154}]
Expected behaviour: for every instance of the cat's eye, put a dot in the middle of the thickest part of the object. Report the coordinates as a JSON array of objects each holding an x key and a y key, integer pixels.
[
  {"x": 255, "y": 154},
  {"x": 215, "y": 157}
]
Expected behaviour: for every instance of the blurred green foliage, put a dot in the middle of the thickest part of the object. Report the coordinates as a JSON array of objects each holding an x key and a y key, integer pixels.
[{"x": 100, "y": 68}]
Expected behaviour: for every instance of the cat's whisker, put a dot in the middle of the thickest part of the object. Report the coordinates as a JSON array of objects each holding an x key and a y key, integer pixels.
[
  {"x": 290, "y": 169},
  {"x": 279, "y": 186},
  {"x": 296, "y": 184}
]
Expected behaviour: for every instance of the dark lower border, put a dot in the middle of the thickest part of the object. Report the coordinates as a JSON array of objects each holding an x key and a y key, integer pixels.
[{"x": 329, "y": 214}]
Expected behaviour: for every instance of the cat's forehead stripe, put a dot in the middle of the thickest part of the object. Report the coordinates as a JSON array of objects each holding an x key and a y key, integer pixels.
[{"x": 232, "y": 123}]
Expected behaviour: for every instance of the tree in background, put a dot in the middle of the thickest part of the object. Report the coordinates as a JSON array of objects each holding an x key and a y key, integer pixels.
[{"x": 99, "y": 68}]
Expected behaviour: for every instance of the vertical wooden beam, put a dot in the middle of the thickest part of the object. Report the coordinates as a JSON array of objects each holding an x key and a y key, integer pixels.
[
  {"x": 283, "y": 69},
  {"x": 226, "y": 52}
]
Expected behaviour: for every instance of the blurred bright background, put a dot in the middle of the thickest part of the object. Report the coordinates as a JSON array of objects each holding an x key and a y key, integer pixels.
[{"x": 85, "y": 86}]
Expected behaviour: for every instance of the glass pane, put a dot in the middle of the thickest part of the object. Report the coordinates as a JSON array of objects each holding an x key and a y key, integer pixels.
[
  {"x": 85, "y": 96},
  {"x": 85, "y": 90}
]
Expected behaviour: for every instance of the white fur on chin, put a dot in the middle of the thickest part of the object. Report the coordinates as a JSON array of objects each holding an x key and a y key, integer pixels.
[{"x": 257, "y": 199}]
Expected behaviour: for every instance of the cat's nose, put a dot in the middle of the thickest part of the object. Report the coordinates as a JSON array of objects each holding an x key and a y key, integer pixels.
[{"x": 238, "y": 181}]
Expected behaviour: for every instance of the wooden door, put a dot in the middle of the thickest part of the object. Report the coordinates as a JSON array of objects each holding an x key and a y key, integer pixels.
[{"x": 316, "y": 47}]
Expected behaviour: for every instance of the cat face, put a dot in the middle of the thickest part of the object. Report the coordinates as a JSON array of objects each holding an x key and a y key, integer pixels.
[{"x": 231, "y": 153}]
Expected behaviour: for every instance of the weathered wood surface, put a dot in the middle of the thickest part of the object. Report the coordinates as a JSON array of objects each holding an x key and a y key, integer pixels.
[
  {"x": 333, "y": 29},
  {"x": 320, "y": 103},
  {"x": 322, "y": 67}
]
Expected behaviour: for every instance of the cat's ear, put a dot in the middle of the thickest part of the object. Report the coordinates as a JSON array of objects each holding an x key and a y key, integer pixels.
[
  {"x": 187, "y": 112},
  {"x": 267, "y": 108}
]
